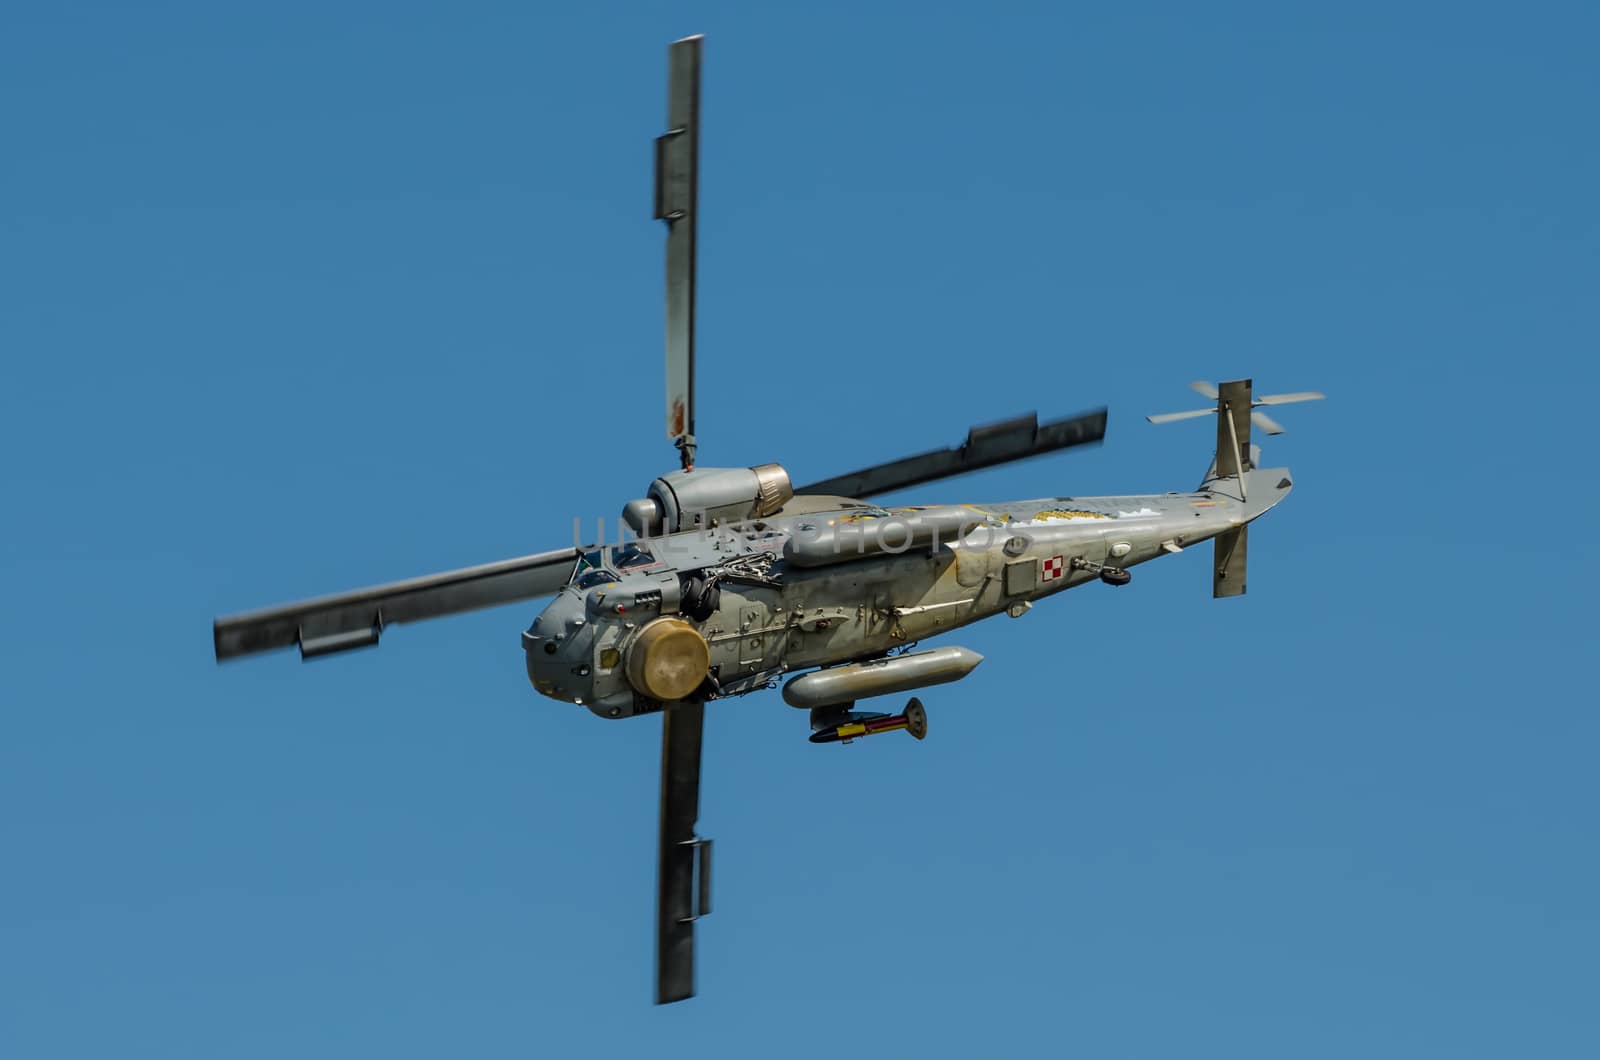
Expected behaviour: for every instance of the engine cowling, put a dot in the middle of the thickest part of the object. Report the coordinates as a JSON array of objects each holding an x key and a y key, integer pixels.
[{"x": 703, "y": 497}]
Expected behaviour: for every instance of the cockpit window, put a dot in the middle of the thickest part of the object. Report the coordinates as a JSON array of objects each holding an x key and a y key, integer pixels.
[
  {"x": 600, "y": 565},
  {"x": 592, "y": 577},
  {"x": 631, "y": 554}
]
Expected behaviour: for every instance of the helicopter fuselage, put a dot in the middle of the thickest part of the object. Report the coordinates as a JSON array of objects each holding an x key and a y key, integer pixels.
[{"x": 778, "y": 608}]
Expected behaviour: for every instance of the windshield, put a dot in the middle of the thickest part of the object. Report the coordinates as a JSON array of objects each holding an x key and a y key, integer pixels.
[
  {"x": 600, "y": 565},
  {"x": 631, "y": 554},
  {"x": 592, "y": 577}
]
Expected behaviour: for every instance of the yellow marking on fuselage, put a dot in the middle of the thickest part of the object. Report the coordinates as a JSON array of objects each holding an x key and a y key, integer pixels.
[{"x": 1070, "y": 513}]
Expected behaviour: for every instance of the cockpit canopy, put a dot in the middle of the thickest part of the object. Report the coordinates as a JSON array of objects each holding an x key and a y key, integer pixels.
[{"x": 607, "y": 564}]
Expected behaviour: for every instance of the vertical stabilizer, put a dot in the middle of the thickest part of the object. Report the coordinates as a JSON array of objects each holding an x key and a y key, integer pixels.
[
  {"x": 1233, "y": 461},
  {"x": 1227, "y": 572},
  {"x": 1233, "y": 428}
]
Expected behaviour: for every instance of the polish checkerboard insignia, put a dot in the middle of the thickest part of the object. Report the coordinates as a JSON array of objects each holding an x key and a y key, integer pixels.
[{"x": 1054, "y": 567}]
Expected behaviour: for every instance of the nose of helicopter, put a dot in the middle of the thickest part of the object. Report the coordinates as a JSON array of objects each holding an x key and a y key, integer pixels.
[{"x": 558, "y": 647}]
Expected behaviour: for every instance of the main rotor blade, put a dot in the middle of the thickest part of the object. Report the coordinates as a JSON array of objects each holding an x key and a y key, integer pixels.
[
  {"x": 1168, "y": 417},
  {"x": 355, "y": 619},
  {"x": 986, "y": 446},
  {"x": 1287, "y": 399},
  {"x": 677, "y": 192},
  {"x": 681, "y": 727},
  {"x": 1205, "y": 389},
  {"x": 1266, "y": 423}
]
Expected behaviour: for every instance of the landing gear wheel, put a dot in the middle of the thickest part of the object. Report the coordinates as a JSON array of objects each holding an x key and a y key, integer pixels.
[
  {"x": 916, "y": 718},
  {"x": 1115, "y": 576}
]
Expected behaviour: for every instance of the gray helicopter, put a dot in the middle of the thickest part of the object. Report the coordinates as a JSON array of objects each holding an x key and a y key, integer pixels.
[{"x": 734, "y": 578}]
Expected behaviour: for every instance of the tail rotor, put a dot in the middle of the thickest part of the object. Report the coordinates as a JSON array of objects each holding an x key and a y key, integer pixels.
[{"x": 1260, "y": 419}]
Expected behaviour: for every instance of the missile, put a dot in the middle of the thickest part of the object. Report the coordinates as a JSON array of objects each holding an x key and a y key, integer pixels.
[{"x": 858, "y": 723}]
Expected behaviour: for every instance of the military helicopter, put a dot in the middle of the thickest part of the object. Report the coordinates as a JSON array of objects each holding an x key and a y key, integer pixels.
[{"x": 735, "y": 578}]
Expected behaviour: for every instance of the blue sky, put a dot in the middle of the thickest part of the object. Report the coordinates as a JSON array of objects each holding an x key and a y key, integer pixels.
[{"x": 307, "y": 299}]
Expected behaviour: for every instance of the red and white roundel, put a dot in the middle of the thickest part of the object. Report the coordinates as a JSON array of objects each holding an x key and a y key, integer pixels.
[{"x": 1054, "y": 567}]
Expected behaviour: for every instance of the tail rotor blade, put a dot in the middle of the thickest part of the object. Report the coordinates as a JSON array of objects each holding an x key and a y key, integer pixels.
[
  {"x": 1229, "y": 393},
  {"x": 1168, "y": 417},
  {"x": 1266, "y": 423},
  {"x": 1289, "y": 399}
]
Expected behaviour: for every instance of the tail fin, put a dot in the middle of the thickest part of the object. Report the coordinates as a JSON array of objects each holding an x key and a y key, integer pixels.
[
  {"x": 1227, "y": 572},
  {"x": 1230, "y": 471},
  {"x": 1233, "y": 429},
  {"x": 1233, "y": 460},
  {"x": 1235, "y": 456}
]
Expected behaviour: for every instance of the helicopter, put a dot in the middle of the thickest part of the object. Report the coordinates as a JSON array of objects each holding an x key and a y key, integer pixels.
[{"x": 735, "y": 579}]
